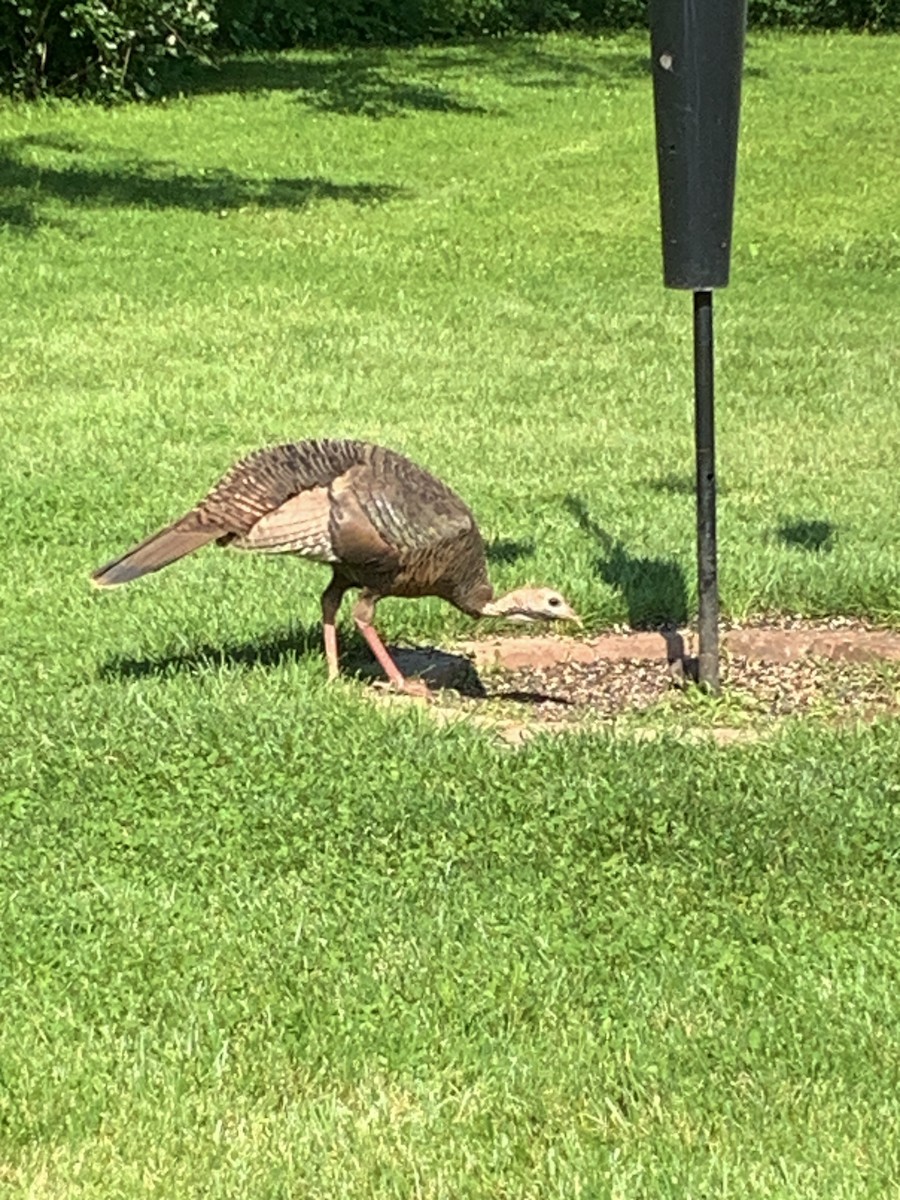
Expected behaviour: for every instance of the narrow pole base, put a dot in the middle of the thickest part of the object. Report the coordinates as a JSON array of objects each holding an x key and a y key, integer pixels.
[{"x": 704, "y": 432}]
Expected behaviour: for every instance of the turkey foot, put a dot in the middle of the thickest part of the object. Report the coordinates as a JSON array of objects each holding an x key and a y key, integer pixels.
[
  {"x": 396, "y": 680},
  {"x": 415, "y": 687}
]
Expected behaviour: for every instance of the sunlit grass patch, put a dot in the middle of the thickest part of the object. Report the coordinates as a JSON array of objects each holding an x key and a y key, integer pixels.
[{"x": 260, "y": 937}]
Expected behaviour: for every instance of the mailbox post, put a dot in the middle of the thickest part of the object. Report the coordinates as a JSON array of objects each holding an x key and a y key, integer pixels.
[{"x": 697, "y": 49}]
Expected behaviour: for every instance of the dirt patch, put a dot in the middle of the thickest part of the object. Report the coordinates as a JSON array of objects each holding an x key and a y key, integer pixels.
[
  {"x": 841, "y": 670},
  {"x": 787, "y": 641},
  {"x": 604, "y": 688}
]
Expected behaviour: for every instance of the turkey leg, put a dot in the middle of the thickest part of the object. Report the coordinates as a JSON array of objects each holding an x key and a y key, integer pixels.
[
  {"x": 331, "y": 602},
  {"x": 378, "y": 648},
  {"x": 363, "y": 612}
]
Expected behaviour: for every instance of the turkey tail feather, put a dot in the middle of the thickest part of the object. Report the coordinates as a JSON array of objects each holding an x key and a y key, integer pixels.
[{"x": 153, "y": 553}]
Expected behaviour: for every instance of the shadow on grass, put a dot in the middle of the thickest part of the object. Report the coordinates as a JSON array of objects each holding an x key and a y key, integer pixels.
[
  {"x": 297, "y": 642},
  {"x": 526, "y": 63},
  {"x": 351, "y": 83},
  {"x": 25, "y": 185},
  {"x": 507, "y": 551},
  {"x": 818, "y": 537},
  {"x": 520, "y": 697},
  {"x": 365, "y": 81},
  {"x": 653, "y": 588},
  {"x": 302, "y": 641},
  {"x": 673, "y": 484}
]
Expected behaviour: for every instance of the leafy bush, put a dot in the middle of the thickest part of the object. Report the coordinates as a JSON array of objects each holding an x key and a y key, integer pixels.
[
  {"x": 276, "y": 24},
  {"x": 876, "y": 15},
  {"x": 97, "y": 47},
  {"x": 117, "y": 47},
  {"x": 880, "y": 15}
]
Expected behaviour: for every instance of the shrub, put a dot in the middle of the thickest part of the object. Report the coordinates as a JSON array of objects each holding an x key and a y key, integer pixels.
[
  {"x": 117, "y": 47},
  {"x": 97, "y": 47},
  {"x": 276, "y": 24},
  {"x": 876, "y": 15}
]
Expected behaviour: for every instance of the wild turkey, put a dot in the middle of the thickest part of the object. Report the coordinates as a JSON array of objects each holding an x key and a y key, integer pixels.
[{"x": 381, "y": 523}]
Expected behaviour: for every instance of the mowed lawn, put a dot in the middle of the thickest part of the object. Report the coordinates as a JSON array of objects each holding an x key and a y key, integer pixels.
[{"x": 261, "y": 938}]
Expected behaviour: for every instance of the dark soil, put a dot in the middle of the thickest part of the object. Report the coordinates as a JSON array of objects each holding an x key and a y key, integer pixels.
[
  {"x": 571, "y": 690},
  {"x": 842, "y": 670}
]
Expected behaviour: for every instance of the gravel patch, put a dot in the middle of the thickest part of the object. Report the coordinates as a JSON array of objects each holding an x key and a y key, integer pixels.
[
  {"x": 570, "y": 691},
  {"x": 841, "y": 670}
]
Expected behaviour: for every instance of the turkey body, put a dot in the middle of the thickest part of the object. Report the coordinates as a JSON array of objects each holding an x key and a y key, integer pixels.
[{"x": 382, "y": 523}]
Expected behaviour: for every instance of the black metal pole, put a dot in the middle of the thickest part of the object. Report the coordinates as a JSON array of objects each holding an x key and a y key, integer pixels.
[{"x": 705, "y": 436}]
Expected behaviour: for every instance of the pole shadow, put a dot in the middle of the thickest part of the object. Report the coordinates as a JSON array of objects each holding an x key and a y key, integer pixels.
[{"x": 654, "y": 589}]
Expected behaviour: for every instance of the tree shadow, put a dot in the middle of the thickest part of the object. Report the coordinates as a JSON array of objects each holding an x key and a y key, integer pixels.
[
  {"x": 352, "y": 83},
  {"x": 365, "y": 81},
  {"x": 526, "y": 63},
  {"x": 654, "y": 589},
  {"x": 507, "y": 551},
  {"x": 19, "y": 216},
  {"x": 816, "y": 536},
  {"x": 26, "y": 185}
]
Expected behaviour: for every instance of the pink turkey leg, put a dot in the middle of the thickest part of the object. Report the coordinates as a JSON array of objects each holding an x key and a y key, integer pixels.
[
  {"x": 376, "y": 645},
  {"x": 414, "y": 687},
  {"x": 331, "y": 649}
]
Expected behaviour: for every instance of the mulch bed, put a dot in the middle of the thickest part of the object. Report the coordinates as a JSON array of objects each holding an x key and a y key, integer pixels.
[
  {"x": 571, "y": 690},
  {"x": 841, "y": 669}
]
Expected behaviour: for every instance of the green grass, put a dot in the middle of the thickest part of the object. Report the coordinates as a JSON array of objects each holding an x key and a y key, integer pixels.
[
  {"x": 231, "y": 972},
  {"x": 262, "y": 939}
]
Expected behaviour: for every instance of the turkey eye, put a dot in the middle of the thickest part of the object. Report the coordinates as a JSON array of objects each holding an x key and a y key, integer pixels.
[{"x": 554, "y": 601}]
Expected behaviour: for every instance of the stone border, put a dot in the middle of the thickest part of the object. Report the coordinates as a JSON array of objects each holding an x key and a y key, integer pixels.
[
  {"x": 768, "y": 643},
  {"x": 841, "y": 640}
]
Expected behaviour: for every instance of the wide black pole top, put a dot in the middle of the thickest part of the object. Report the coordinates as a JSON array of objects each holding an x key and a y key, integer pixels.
[{"x": 697, "y": 48}]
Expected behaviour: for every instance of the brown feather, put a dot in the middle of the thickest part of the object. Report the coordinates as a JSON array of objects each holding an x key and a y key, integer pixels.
[
  {"x": 357, "y": 541},
  {"x": 152, "y": 554},
  {"x": 299, "y": 526},
  {"x": 382, "y": 521}
]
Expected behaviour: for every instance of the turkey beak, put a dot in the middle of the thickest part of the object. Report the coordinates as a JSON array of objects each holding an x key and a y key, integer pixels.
[{"x": 569, "y": 614}]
